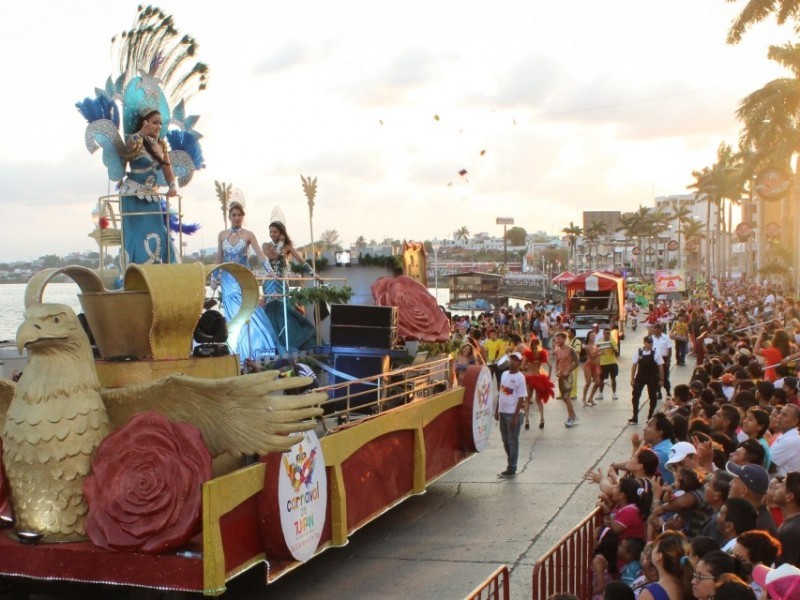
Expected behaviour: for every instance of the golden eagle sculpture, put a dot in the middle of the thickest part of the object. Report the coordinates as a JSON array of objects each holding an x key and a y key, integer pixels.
[{"x": 55, "y": 417}]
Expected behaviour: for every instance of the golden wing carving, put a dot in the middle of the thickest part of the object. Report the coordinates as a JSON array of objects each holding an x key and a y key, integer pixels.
[
  {"x": 7, "y": 388},
  {"x": 239, "y": 415}
]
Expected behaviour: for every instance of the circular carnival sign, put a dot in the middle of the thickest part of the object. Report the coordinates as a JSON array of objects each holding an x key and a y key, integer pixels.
[
  {"x": 772, "y": 183},
  {"x": 636, "y": 251},
  {"x": 743, "y": 230},
  {"x": 483, "y": 408},
  {"x": 691, "y": 246},
  {"x": 649, "y": 252},
  {"x": 672, "y": 245},
  {"x": 292, "y": 505}
]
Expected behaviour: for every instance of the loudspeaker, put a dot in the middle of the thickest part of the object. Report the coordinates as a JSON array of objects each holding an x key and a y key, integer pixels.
[
  {"x": 363, "y": 337},
  {"x": 364, "y": 316},
  {"x": 359, "y": 367}
]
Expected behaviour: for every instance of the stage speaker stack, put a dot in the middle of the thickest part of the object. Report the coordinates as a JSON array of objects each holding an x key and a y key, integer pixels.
[
  {"x": 355, "y": 326},
  {"x": 361, "y": 341}
]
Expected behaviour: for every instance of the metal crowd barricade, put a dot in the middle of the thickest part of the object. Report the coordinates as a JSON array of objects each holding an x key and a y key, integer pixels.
[
  {"x": 566, "y": 567},
  {"x": 495, "y": 587}
]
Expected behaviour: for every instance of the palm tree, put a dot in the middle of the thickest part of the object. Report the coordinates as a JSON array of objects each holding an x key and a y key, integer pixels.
[
  {"x": 462, "y": 234},
  {"x": 627, "y": 225},
  {"x": 594, "y": 232},
  {"x": 573, "y": 232},
  {"x": 722, "y": 180},
  {"x": 757, "y": 10},
  {"x": 693, "y": 231},
  {"x": 681, "y": 212}
]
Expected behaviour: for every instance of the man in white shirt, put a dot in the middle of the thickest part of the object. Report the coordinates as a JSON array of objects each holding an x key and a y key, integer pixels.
[
  {"x": 509, "y": 406},
  {"x": 785, "y": 450},
  {"x": 663, "y": 346}
]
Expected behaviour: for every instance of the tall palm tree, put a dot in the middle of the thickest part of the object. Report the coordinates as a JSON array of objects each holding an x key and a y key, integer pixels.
[
  {"x": 715, "y": 184},
  {"x": 757, "y": 10},
  {"x": 681, "y": 213},
  {"x": 693, "y": 231},
  {"x": 573, "y": 232},
  {"x": 462, "y": 233},
  {"x": 627, "y": 226}
]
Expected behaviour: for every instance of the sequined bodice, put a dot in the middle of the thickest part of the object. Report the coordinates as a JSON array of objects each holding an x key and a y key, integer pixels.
[
  {"x": 280, "y": 264},
  {"x": 235, "y": 253}
]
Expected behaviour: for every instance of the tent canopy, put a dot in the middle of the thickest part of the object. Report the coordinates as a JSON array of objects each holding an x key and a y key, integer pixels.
[
  {"x": 597, "y": 281},
  {"x": 564, "y": 277}
]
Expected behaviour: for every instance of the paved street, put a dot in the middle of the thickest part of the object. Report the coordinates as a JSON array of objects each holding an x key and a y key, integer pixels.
[{"x": 445, "y": 542}]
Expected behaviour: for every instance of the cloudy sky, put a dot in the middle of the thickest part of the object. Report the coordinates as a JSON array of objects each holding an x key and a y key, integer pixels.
[{"x": 578, "y": 106}]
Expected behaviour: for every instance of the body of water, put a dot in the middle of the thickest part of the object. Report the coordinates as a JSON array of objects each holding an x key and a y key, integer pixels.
[{"x": 12, "y": 303}]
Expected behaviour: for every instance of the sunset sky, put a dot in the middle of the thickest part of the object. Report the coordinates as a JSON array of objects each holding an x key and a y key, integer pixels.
[{"x": 578, "y": 106}]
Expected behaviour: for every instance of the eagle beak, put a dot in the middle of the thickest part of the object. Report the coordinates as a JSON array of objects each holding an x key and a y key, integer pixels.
[{"x": 26, "y": 334}]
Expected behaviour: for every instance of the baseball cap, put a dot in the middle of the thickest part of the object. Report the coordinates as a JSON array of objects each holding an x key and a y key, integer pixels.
[
  {"x": 516, "y": 355},
  {"x": 727, "y": 379},
  {"x": 680, "y": 451},
  {"x": 782, "y": 583},
  {"x": 753, "y": 476}
]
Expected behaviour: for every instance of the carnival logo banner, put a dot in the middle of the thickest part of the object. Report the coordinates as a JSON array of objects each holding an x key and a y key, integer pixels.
[{"x": 303, "y": 496}]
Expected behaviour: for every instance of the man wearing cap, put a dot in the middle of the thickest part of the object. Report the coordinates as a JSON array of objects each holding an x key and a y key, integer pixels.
[
  {"x": 509, "y": 406},
  {"x": 786, "y": 449},
  {"x": 647, "y": 371},
  {"x": 787, "y": 497},
  {"x": 782, "y": 583},
  {"x": 751, "y": 483}
]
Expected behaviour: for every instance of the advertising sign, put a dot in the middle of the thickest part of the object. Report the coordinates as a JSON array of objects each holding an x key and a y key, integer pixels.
[{"x": 670, "y": 280}]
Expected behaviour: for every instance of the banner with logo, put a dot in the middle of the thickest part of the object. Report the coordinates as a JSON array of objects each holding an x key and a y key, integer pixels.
[{"x": 670, "y": 280}]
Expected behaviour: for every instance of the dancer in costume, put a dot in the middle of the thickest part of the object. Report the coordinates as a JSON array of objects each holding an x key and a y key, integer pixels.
[
  {"x": 153, "y": 57},
  {"x": 301, "y": 333},
  {"x": 143, "y": 227},
  {"x": 535, "y": 362},
  {"x": 257, "y": 339}
]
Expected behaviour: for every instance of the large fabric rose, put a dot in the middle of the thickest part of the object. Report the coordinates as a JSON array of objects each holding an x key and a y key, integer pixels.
[
  {"x": 419, "y": 317},
  {"x": 144, "y": 490}
]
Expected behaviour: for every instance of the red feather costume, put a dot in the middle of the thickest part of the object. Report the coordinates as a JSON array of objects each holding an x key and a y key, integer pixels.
[{"x": 539, "y": 383}]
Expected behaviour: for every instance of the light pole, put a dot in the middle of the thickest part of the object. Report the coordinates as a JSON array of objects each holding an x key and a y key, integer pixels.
[
  {"x": 505, "y": 222},
  {"x": 435, "y": 245}
]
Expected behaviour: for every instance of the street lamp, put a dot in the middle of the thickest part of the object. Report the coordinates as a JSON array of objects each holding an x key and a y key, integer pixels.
[{"x": 435, "y": 245}]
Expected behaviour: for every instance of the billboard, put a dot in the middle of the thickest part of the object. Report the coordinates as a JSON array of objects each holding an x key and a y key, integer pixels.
[{"x": 670, "y": 280}]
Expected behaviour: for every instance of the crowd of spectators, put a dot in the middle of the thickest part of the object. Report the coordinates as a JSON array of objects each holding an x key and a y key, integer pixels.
[{"x": 707, "y": 505}]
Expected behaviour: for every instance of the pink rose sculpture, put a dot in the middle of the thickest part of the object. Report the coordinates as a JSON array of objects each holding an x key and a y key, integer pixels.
[{"x": 420, "y": 318}]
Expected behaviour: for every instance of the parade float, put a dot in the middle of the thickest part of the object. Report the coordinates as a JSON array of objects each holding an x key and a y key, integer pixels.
[{"x": 134, "y": 451}]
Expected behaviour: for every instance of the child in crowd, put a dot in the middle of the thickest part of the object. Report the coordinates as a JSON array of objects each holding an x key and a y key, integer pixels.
[
  {"x": 629, "y": 553},
  {"x": 604, "y": 563}
]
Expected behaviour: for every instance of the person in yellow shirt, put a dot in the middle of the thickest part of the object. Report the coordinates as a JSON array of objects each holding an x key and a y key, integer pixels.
[
  {"x": 609, "y": 368},
  {"x": 680, "y": 333},
  {"x": 495, "y": 348}
]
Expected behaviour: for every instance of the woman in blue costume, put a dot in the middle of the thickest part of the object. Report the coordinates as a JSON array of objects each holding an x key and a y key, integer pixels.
[
  {"x": 301, "y": 332},
  {"x": 257, "y": 337},
  {"x": 143, "y": 224}
]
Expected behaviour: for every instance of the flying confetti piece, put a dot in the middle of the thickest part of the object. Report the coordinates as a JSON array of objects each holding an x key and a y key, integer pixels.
[
  {"x": 449, "y": 184},
  {"x": 435, "y": 117},
  {"x": 462, "y": 172},
  {"x": 381, "y": 122},
  {"x": 483, "y": 152}
]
